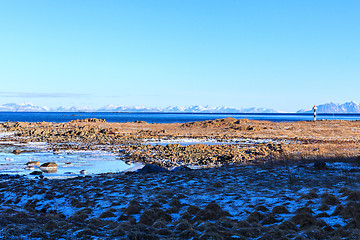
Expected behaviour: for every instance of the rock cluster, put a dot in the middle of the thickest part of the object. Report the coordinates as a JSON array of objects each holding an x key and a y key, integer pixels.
[
  {"x": 87, "y": 120},
  {"x": 200, "y": 154}
]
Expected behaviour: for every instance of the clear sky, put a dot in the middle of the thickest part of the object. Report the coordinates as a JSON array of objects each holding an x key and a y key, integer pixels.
[{"x": 285, "y": 55}]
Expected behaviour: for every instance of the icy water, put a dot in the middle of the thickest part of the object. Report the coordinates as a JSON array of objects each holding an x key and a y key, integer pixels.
[
  {"x": 164, "y": 117},
  {"x": 70, "y": 163}
]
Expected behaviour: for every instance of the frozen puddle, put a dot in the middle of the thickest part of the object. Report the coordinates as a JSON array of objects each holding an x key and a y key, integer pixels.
[
  {"x": 6, "y": 134},
  {"x": 69, "y": 163},
  {"x": 192, "y": 141}
]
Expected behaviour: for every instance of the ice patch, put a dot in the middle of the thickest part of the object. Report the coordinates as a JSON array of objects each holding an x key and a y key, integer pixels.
[
  {"x": 6, "y": 134},
  {"x": 94, "y": 162}
]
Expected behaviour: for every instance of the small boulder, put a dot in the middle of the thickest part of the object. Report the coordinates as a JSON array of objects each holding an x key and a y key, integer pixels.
[
  {"x": 84, "y": 172},
  {"x": 150, "y": 168},
  {"x": 16, "y": 151},
  {"x": 48, "y": 165},
  {"x": 181, "y": 169},
  {"x": 280, "y": 210},
  {"x": 36, "y": 173},
  {"x": 33, "y": 163}
]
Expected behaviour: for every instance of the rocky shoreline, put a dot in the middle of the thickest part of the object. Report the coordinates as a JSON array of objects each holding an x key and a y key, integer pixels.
[{"x": 276, "y": 141}]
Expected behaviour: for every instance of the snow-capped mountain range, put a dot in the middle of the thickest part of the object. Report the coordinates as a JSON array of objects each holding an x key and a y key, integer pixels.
[
  {"x": 348, "y": 107},
  {"x": 29, "y": 107},
  {"x": 24, "y": 107}
]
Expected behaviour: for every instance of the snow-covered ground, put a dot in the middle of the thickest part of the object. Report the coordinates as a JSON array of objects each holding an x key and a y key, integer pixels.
[{"x": 272, "y": 201}]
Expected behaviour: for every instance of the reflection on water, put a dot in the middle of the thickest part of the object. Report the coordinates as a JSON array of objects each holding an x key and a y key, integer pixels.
[
  {"x": 68, "y": 162},
  {"x": 49, "y": 170}
]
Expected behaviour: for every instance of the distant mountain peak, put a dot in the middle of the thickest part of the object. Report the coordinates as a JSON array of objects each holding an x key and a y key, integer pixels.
[{"x": 348, "y": 107}]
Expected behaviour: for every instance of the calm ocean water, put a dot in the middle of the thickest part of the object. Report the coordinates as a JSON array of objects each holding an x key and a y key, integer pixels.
[{"x": 163, "y": 117}]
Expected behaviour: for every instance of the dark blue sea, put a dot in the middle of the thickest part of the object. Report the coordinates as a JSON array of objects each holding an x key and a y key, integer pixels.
[{"x": 164, "y": 117}]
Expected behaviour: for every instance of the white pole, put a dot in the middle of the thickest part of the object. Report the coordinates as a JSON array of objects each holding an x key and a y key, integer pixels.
[{"x": 315, "y": 113}]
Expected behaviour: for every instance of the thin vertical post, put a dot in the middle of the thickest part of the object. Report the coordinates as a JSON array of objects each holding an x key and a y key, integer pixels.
[{"x": 314, "y": 108}]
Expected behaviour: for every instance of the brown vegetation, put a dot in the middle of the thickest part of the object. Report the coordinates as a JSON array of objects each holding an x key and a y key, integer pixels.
[{"x": 252, "y": 202}]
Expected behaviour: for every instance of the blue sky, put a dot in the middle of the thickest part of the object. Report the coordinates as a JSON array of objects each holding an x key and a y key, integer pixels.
[{"x": 284, "y": 55}]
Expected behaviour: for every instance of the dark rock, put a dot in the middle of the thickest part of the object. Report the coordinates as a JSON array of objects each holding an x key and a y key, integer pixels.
[
  {"x": 269, "y": 220},
  {"x": 133, "y": 208},
  {"x": 175, "y": 203},
  {"x": 36, "y": 173},
  {"x": 107, "y": 214},
  {"x": 154, "y": 214},
  {"x": 136, "y": 121},
  {"x": 280, "y": 210},
  {"x": 181, "y": 168},
  {"x": 212, "y": 211},
  {"x": 150, "y": 168},
  {"x": 304, "y": 210},
  {"x": 191, "y": 211},
  {"x": 255, "y": 217},
  {"x": 330, "y": 199},
  {"x": 16, "y": 151},
  {"x": 310, "y": 195},
  {"x": 338, "y": 210},
  {"x": 262, "y": 208},
  {"x": 353, "y": 196},
  {"x": 322, "y": 214},
  {"x": 304, "y": 220},
  {"x": 320, "y": 165},
  {"x": 118, "y": 232}
]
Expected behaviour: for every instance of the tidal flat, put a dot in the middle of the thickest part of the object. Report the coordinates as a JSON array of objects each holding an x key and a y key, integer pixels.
[{"x": 240, "y": 179}]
